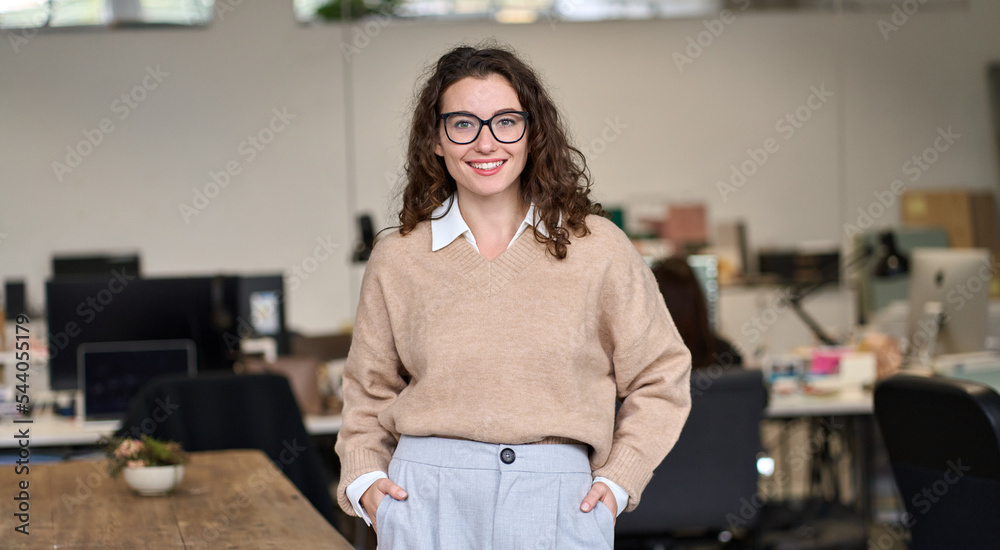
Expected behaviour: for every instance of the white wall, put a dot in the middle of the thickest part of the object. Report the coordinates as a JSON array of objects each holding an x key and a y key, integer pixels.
[
  {"x": 681, "y": 130},
  {"x": 223, "y": 85}
]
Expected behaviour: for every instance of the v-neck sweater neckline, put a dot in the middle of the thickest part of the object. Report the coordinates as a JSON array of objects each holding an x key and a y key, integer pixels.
[{"x": 498, "y": 271}]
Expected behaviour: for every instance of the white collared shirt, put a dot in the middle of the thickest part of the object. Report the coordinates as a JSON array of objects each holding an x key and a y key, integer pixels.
[{"x": 447, "y": 224}]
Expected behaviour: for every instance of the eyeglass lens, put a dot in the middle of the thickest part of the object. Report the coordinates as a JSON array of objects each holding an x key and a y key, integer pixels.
[{"x": 507, "y": 127}]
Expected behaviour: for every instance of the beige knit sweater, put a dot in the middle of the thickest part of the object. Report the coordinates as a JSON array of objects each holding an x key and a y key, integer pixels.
[{"x": 517, "y": 350}]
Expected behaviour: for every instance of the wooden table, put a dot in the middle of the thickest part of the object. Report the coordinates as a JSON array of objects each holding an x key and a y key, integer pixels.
[
  {"x": 49, "y": 430},
  {"x": 228, "y": 499}
]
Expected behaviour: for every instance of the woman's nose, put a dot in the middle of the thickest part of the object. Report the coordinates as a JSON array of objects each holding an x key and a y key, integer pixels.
[{"x": 485, "y": 143}]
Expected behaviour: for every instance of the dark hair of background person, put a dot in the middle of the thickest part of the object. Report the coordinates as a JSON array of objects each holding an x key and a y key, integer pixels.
[
  {"x": 686, "y": 303},
  {"x": 555, "y": 178}
]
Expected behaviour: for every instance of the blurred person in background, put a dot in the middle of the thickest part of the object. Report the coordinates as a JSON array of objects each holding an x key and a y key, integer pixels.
[{"x": 689, "y": 309}]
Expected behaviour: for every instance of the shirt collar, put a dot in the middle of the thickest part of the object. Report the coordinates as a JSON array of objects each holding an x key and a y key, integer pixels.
[{"x": 447, "y": 224}]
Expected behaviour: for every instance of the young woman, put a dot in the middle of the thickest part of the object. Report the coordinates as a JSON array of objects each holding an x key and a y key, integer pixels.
[{"x": 495, "y": 331}]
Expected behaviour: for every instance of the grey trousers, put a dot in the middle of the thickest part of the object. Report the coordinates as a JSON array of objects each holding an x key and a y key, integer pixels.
[{"x": 466, "y": 495}]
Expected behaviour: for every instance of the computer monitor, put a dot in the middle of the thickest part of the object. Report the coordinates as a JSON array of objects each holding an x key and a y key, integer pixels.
[
  {"x": 706, "y": 270},
  {"x": 111, "y": 373},
  {"x": 262, "y": 302},
  {"x": 118, "y": 308},
  {"x": 93, "y": 266},
  {"x": 14, "y": 301},
  {"x": 213, "y": 312},
  {"x": 949, "y": 300}
]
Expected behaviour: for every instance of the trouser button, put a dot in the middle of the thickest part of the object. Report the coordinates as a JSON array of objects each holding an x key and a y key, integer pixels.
[{"x": 507, "y": 455}]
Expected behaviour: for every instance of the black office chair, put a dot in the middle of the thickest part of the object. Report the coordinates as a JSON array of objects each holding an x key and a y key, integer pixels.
[
  {"x": 711, "y": 473},
  {"x": 219, "y": 411},
  {"x": 943, "y": 439}
]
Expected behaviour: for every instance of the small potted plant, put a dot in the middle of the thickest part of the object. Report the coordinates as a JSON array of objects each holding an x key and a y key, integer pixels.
[{"x": 150, "y": 466}]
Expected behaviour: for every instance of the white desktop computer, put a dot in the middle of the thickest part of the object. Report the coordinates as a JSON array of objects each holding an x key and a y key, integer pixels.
[{"x": 949, "y": 301}]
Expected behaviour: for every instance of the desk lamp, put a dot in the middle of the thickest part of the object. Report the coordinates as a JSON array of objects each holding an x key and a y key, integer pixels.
[{"x": 891, "y": 263}]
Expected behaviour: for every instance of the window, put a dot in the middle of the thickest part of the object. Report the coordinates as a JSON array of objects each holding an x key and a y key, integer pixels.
[
  {"x": 526, "y": 11},
  {"x": 508, "y": 11},
  {"x": 88, "y": 13}
]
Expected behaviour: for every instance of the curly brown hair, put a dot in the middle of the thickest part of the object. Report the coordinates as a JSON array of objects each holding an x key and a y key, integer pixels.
[{"x": 555, "y": 177}]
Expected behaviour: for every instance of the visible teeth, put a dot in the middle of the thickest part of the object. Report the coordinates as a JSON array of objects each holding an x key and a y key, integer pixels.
[{"x": 486, "y": 165}]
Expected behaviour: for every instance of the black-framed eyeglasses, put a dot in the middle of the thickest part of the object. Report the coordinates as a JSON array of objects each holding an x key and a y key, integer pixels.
[{"x": 506, "y": 127}]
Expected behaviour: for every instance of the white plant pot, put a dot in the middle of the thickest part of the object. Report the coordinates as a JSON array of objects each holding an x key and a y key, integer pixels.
[{"x": 153, "y": 480}]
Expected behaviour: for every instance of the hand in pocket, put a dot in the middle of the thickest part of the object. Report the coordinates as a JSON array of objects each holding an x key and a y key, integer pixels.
[
  {"x": 600, "y": 491},
  {"x": 374, "y": 495}
]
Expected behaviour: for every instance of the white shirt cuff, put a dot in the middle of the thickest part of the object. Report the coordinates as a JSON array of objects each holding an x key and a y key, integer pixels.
[
  {"x": 621, "y": 497},
  {"x": 358, "y": 488}
]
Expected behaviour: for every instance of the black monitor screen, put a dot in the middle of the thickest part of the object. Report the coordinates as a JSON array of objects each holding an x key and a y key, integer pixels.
[
  {"x": 121, "y": 307},
  {"x": 93, "y": 266},
  {"x": 111, "y": 373}
]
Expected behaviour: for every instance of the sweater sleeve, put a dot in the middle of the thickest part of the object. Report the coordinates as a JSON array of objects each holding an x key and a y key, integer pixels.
[
  {"x": 652, "y": 369},
  {"x": 372, "y": 379}
]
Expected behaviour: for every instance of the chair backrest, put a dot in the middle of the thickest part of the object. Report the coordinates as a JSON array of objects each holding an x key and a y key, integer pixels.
[
  {"x": 709, "y": 479},
  {"x": 943, "y": 440},
  {"x": 225, "y": 411}
]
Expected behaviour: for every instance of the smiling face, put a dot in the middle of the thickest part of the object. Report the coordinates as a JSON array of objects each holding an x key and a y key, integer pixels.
[{"x": 485, "y": 168}]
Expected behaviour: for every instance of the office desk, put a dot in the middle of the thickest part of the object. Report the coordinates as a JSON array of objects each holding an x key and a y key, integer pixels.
[
  {"x": 847, "y": 402},
  {"x": 228, "y": 499},
  {"x": 846, "y": 416},
  {"x": 990, "y": 378},
  {"x": 49, "y": 430}
]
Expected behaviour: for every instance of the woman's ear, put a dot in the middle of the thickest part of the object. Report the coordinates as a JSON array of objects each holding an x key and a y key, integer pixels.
[{"x": 438, "y": 147}]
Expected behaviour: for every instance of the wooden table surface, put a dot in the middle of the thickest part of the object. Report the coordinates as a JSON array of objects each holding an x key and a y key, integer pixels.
[{"x": 228, "y": 499}]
